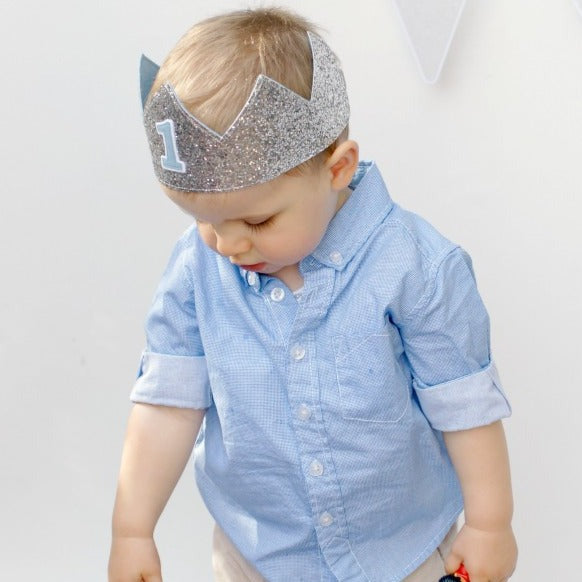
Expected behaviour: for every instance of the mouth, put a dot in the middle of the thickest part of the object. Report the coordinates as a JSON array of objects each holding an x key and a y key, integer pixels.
[{"x": 255, "y": 267}]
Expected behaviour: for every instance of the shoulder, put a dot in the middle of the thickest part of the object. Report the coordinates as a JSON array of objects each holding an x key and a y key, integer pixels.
[
  {"x": 184, "y": 258},
  {"x": 188, "y": 241},
  {"x": 194, "y": 265},
  {"x": 396, "y": 228},
  {"x": 411, "y": 230},
  {"x": 406, "y": 258},
  {"x": 408, "y": 250},
  {"x": 189, "y": 247}
]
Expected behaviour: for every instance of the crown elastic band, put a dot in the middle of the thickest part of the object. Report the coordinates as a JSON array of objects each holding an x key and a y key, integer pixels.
[{"x": 275, "y": 131}]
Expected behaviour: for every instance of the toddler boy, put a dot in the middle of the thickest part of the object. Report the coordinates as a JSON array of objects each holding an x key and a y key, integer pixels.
[{"x": 327, "y": 350}]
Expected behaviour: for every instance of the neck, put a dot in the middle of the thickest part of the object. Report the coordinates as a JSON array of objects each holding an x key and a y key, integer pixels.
[
  {"x": 291, "y": 276},
  {"x": 342, "y": 198}
]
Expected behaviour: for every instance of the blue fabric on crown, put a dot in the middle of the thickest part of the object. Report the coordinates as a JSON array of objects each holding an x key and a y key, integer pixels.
[{"x": 147, "y": 75}]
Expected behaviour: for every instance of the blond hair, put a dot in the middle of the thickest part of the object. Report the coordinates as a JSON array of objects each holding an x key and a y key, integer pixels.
[{"x": 214, "y": 66}]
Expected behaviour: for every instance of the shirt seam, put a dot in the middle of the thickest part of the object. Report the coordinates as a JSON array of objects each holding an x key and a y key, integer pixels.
[
  {"x": 434, "y": 269},
  {"x": 187, "y": 279}
]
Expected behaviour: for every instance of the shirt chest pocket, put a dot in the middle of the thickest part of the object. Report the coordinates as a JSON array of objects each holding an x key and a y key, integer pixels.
[{"x": 372, "y": 377}]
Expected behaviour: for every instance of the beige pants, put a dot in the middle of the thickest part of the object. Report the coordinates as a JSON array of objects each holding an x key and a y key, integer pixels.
[{"x": 230, "y": 566}]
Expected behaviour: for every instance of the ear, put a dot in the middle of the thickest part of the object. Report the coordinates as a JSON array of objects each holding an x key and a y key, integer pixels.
[{"x": 343, "y": 163}]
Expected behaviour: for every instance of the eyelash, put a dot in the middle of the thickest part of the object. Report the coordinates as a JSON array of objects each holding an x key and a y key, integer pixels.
[{"x": 260, "y": 225}]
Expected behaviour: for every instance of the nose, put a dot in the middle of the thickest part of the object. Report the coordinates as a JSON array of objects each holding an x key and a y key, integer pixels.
[{"x": 230, "y": 241}]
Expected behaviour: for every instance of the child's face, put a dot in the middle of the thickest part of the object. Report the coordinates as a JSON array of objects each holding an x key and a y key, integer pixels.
[{"x": 266, "y": 227}]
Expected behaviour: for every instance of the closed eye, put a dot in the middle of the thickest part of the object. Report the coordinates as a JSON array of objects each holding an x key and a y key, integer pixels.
[{"x": 260, "y": 225}]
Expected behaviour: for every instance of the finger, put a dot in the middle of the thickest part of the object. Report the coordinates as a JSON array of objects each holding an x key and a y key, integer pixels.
[{"x": 452, "y": 563}]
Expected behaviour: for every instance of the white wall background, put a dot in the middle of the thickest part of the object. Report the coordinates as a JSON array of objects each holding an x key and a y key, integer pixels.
[{"x": 491, "y": 155}]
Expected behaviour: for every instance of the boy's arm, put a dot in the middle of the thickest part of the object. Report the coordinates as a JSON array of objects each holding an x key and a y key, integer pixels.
[
  {"x": 485, "y": 544},
  {"x": 158, "y": 444}
]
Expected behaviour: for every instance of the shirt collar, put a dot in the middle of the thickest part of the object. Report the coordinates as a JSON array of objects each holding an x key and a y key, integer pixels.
[{"x": 366, "y": 207}]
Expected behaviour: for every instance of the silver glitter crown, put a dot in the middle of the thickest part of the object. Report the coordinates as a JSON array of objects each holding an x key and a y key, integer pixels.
[{"x": 275, "y": 131}]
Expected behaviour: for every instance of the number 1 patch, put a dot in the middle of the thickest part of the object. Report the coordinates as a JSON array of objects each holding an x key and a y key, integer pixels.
[{"x": 171, "y": 160}]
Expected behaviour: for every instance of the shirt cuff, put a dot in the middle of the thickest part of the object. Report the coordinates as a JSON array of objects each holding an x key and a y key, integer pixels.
[
  {"x": 180, "y": 381},
  {"x": 467, "y": 402}
]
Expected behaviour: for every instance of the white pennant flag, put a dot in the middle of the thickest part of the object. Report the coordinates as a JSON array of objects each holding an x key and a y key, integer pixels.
[{"x": 430, "y": 26}]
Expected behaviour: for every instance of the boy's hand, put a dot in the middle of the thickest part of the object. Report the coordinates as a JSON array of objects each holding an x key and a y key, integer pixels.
[
  {"x": 134, "y": 559},
  {"x": 488, "y": 556}
]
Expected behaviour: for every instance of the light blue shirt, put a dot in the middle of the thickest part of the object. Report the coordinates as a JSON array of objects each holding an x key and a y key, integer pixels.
[{"x": 321, "y": 454}]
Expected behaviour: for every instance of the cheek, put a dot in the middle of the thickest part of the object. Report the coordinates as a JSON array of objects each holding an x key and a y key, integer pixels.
[
  {"x": 296, "y": 242},
  {"x": 315, "y": 221}
]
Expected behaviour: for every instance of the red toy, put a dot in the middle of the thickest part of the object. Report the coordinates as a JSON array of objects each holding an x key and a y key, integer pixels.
[{"x": 461, "y": 575}]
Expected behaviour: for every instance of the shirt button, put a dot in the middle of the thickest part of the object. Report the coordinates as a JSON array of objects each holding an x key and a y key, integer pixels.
[
  {"x": 325, "y": 519},
  {"x": 277, "y": 294},
  {"x": 252, "y": 278},
  {"x": 336, "y": 257},
  {"x": 315, "y": 468},
  {"x": 297, "y": 352},
  {"x": 304, "y": 412}
]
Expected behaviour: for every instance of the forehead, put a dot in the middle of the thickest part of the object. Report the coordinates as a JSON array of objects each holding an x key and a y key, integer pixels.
[{"x": 259, "y": 201}]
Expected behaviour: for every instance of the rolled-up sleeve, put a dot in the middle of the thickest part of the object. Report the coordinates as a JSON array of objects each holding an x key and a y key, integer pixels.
[
  {"x": 446, "y": 340},
  {"x": 470, "y": 401},
  {"x": 180, "y": 381},
  {"x": 172, "y": 370}
]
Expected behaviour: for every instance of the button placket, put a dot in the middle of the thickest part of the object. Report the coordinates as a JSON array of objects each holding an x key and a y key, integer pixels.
[
  {"x": 298, "y": 352},
  {"x": 303, "y": 393},
  {"x": 277, "y": 294},
  {"x": 253, "y": 280},
  {"x": 304, "y": 412},
  {"x": 315, "y": 468}
]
